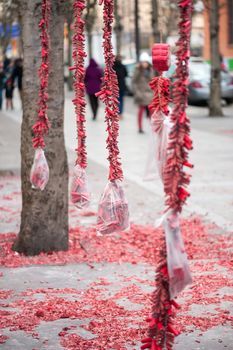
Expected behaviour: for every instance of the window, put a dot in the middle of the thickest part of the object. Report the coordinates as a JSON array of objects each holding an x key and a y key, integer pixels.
[{"x": 230, "y": 22}]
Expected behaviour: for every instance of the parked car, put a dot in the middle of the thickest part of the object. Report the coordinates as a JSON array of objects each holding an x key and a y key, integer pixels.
[
  {"x": 199, "y": 82},
  {"x": 130, "y": 65}
]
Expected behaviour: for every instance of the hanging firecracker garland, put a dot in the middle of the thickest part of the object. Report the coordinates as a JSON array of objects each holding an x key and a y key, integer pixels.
[
  {"x": 40, "y": 171},
  {"x": 113, "y": 213},
  {"x": 80, "y": 195},
  {"x": 172, "y": 273}
]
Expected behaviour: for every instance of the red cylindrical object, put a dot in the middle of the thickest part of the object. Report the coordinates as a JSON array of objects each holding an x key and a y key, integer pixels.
[{"x": 161, "y": 57}]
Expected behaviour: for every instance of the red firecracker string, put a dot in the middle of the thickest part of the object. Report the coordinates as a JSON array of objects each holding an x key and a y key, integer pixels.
[
  {"x": 161, "y": 331},
  {"x": 176, "y": 179},
  {"x": 109, "y": 94},
  {"x": 41, "y": 126},
  {"x": 79, "y": 75},
  {"x": 161, "y": 89}
]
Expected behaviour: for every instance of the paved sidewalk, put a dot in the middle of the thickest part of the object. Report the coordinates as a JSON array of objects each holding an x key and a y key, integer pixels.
[{"x": 78, "y": 300}]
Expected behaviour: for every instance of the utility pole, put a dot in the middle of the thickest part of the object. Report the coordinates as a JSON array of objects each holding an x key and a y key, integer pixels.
[{"x": 137, "y": 33}]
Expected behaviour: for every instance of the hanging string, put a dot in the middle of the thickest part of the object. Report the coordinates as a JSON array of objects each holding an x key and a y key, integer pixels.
[
  {"x": 109, "y": 94},
  {"x": 78, "y": 84},
  {"x": 41, "y": 126}
]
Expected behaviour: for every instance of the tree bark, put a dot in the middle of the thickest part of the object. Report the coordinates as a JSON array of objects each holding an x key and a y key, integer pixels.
[
  {"x": 90, "y": 18},
  {"x": 70, "y": 76},
  {"x": 89, "y": 44},
  {"x": 154, "y": 21},
  {"x": 215, "y": 108},
  {"x": 117, "y": 28},
  {"x": 44, "y": 216}
]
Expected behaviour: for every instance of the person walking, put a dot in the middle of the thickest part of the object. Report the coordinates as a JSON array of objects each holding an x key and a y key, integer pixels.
[
  {"x": 9, "y": 85},
  {"x": 2, "y": 83},
  {"x": 93, "y": 80},
  {"x": 121, "y": 73},
  {"x": 18, "y": 75},
  {"x": 142, "y": 91}
]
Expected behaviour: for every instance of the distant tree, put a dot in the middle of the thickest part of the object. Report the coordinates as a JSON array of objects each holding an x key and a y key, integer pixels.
[
  {"x": 154, "y": 21},
  {"x": 8, "y": 14},
  {"x": 118, "y": 27},
  {"x": 213, "y": 9},
  {"x": 44, "y": 215},
  {"x": 90, "y": 18}
]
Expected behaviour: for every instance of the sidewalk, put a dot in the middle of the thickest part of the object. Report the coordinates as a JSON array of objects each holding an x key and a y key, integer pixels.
[{"x": 90, "y": 299}]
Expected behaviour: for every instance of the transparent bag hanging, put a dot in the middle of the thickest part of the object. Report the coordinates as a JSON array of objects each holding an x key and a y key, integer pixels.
[
  {"x": 161, "y": 126},
  {"x": 39, "y": 175},
  {"x": 177, "y": 262},
  {"x": 113, "y": 212},
  {"x": 80, "y": 195}
]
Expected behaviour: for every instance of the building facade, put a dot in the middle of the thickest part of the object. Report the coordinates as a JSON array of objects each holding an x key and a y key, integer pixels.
[{"x": 225, "y": 32}]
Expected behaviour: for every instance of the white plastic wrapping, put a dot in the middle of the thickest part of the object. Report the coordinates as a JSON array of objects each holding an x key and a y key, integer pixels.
[
  {"x": 177, "y": 262},
  {"x": 157, "y": 155},
  {"x": 113, "y": 213},
  {"x": 39, "y": 175},
  {"x": 80, "y": 194}
]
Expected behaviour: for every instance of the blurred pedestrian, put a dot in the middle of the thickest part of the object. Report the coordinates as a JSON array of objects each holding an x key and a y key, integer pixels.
[
  {"x": 18, "y": 75},
  {"x": 93, "y": 84},
  {"x": 140, "y": 84},
  {"x": 9, "y": 85},
  {"x": 121, "y": 73},
  {"x": 2, "y": 83}
]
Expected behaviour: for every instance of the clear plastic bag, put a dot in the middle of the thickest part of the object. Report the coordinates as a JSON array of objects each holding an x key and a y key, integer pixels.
[
  {"x": 160, "y": 125},
  {"x": 177, "y": 262},
  {"x": 80, "y": 195},
  {"x": 39, "y": 175},
  {"x": 113, "y": 212}
]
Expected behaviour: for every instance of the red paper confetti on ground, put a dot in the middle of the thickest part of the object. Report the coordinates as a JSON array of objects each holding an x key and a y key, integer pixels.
[{"x": 113, "y": 325}]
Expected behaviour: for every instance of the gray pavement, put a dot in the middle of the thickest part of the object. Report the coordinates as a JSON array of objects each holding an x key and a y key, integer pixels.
[{"x": 212, "y": 197}]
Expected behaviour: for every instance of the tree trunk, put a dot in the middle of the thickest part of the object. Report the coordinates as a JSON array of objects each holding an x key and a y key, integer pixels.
[
  {"x": 44, "y": 216},
  {"x": 89, "y": 44},
  {"x": 117, "y": 28},
  {"x": 70, "y": 76},
  {"x": 154, "y": 21},
  {"x": 215, "y": 108}
]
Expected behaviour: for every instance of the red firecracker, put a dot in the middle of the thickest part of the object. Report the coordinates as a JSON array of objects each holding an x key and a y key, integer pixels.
[
  {"x": 113, "y": 213},
  {"x": 40, "y": 168},
  {"x": 174, "y": 142},
  {"x": 80, "y": 194}
]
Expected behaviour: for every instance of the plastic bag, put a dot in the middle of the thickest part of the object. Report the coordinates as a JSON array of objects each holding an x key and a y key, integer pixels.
[
  {"x": 160, "y": 125},
  {"x": 113, "y": 212},
  {"x": 80, "y": 195},
  {"x": 177, "y": 262},
  {"x": 39, "y": 175}
]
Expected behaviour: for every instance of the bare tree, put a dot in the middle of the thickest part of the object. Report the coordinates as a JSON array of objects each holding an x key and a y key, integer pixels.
[
  {"x": 8, "y": 14},
  {"x": 118, "y": 28},
  {"x": 154, "y": 21},
  {"x": 213, "y": 8},
  {"x": 90, "y": 18},
  {"x": 44, "y": 216}
]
